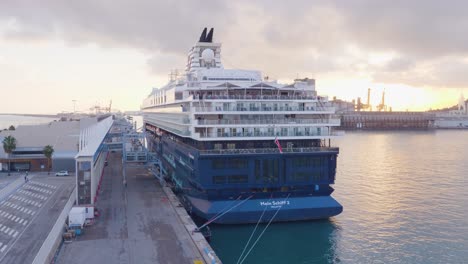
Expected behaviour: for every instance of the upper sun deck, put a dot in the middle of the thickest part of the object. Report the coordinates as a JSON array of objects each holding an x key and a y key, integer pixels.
[
  {"x": 211, "y": 103},
  {"x": 232, "y": 88},
  {"x": 205, "y": 78}
]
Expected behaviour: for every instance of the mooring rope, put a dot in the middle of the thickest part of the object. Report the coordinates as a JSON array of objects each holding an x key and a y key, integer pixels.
[
  {"x": 209, "y": 222},
  {"x": 226, "y": 207},
  {"x": 261, "y": 234},
  {"x": 253, "y": 232}
]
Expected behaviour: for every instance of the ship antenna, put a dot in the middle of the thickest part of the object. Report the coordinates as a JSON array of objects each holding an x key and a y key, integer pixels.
[{"x": 203, "y": 36}]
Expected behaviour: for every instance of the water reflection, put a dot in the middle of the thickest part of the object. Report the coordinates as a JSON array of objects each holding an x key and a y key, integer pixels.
[
  {"x": 298, "y": 242},
  {"x": 404, "y": 197}
]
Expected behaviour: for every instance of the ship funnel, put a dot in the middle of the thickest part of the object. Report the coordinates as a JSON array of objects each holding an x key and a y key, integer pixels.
[
  {"x": 203, "y": 36},
  {"x": 209, "y": 38}
]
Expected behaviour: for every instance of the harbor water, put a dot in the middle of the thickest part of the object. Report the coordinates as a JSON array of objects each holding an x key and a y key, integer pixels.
[{"x": 405, "y": 199}]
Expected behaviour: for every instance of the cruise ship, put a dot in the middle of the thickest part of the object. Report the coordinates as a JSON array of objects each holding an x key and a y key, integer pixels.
[
  {"x": 241, "y": 148},
  {"x": 453, "y": 119}
]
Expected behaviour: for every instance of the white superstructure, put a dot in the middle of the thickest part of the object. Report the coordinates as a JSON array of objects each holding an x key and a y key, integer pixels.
[
  {"x": 211, "y": 103},
  {"x": 454, "y": 118}
]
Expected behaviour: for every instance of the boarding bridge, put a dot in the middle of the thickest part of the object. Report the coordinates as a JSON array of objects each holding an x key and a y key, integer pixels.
[
  {"x": 135, "y": 153},
  {"x": 96, "y": 142}
]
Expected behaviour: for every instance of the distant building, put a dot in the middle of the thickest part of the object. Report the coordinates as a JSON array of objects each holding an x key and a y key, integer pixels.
[
  {"x": 367, "y": 120},
  {"x": 31, "y": 140},
  {"x": 454, "y": 117},
  {"x": 342, "y": 106}
]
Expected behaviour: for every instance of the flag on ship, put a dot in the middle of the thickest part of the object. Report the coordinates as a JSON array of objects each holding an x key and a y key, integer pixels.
[{"x": 278, "y": 144}]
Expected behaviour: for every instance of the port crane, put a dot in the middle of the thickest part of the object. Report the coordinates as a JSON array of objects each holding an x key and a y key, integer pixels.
[
  {"x": 382, "y": 105},
  {"x": 98, "y": 109},
  {"x": 360, "y": 106}
]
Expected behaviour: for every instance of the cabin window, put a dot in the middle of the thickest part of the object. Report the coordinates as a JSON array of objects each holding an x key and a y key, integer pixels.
[
  {"x": 270, "y": 171},
  {"x": 284, "y": 131},
  {"x": 307, "y": 162},
  {"x": 237, "y": 163},
  {"x": 218, "y": 145},
  {"x": 271, "y": 131},
  {"x": 256, "y": 131},
  {"x": 317, "y": 176},
  {"x": 219, "y": 179},
  {"x": 218, "y": 164},
  {"x": 238, "y": 179},
  {"x": 257, "y": 170},
  {"x": 301, "y": 176},
  {"x": 231, "y": 145}
]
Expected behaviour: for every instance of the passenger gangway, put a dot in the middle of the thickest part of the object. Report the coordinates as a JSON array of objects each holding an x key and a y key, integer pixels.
[{"x": 135, "y": 153}]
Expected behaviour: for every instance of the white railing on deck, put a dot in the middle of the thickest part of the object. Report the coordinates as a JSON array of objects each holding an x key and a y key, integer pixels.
[
  {"x": 331, "y": 121},
  {"x": 264, "y": 134},
  {"x": 257, "y": 97},
  {"x": 263, "y": 109}
]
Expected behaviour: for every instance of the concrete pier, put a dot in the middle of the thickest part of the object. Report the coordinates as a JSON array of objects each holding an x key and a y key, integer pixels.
[{"x": 137, "y": 224}]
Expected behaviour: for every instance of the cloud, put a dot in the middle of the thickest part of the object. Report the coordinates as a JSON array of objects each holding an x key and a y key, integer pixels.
[
  {"x": 283, "y": 38},
  {"x": 398, "y": 64},
  {"x": 160, "y": 63},
  {"x": 447, "y": 72},
  {"x": 162, "y": 25},
  {"x": 423, "y": 28}
]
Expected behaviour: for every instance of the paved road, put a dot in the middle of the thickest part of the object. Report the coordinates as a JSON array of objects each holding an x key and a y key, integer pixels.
[
  {"x": 137, "y": 224},
  {"x": 28, "y": 213}
]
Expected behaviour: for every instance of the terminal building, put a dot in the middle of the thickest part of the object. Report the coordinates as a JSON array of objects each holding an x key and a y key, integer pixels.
[
  {"x": 63, "y": 136},
  {"x": 368, "y": 120},
  {"x": 95, "y": 142}
]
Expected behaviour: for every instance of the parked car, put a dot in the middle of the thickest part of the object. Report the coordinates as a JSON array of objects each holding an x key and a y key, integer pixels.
[{"x": 62, "y": 173}]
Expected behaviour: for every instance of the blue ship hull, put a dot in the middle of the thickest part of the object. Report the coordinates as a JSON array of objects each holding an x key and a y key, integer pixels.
[
  {"x": 250, "y": 211},
  {"x": 238, "y": 184}
]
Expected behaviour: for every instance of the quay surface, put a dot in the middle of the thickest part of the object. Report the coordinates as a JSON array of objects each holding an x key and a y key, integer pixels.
[
  {"x": 28, "y": 212},
  {"x": 137, "y": 224}
]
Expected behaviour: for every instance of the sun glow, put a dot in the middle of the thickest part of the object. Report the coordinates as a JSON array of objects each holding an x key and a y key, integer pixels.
[{"x": 397, "y": 96}]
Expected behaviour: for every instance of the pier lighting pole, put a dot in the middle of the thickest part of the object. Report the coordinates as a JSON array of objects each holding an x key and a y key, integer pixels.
[{"x": 74, "y": 106}]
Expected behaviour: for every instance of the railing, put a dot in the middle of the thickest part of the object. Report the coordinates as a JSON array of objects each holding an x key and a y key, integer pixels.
[
  {"x": 267, "y": 150},
  {"x": 160, "y": 124},
  {"x": 262, "y": 109},
  {"x": 257, "y": 97},
  {"x": 167, "y": 118},
  {"x": 265, "y": 134},
  {"x": 330, "y": 121}
]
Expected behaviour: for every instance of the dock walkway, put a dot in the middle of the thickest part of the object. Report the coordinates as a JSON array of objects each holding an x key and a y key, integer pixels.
[{"x": 137, "y": 224}]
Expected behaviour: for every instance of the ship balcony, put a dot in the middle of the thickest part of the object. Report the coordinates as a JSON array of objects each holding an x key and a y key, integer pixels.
[
  {"x": 266, "y": 110},
  {"x": 174, "y": 127},
  {"x": 267, "y": 150},
  {"x": 279, "y": 121},
  {"x": 258, "y": 97},
  {"x": 257, "y": 135}
]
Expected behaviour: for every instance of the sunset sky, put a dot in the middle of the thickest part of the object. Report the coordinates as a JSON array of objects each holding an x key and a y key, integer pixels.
[{"x": 53, "y": 52}]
